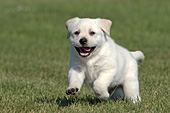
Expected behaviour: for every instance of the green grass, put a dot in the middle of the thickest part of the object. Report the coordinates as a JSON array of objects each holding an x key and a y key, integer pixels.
[{"x": 34, "y": 53}]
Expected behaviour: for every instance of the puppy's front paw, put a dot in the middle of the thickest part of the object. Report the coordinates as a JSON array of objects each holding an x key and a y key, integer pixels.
[{"x": 72, "y": 91}]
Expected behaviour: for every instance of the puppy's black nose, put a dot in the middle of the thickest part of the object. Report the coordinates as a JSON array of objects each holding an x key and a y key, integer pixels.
[{"x": 83, "y": 41}]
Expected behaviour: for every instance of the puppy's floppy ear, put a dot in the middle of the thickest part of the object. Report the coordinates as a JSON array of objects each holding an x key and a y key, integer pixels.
[
  {"x": 69, "y": 24},
  {"x": 105, "y": 25}
]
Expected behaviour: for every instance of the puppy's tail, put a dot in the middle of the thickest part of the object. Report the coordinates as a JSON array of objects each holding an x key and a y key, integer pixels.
[{"x": 138, "y": 55}]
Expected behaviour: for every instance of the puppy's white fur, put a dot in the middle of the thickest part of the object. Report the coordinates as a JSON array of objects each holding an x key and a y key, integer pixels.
[{"x": 108, "y": 66}]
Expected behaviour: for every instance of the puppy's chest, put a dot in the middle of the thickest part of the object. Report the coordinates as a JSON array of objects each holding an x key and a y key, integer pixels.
[{"x": 91, "y": 73}]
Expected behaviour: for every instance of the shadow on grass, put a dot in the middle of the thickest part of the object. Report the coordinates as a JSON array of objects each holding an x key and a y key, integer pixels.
[{"x": 69, "y": 100}]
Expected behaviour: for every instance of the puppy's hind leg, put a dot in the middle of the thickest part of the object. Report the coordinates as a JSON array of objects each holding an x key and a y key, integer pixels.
[{"x": 131, "y": 85}]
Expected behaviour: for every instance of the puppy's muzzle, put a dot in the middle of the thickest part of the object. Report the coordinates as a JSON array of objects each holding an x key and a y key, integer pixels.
[
  {"x": 83, "y": 41},
  {"x": 84, "y": 51}
]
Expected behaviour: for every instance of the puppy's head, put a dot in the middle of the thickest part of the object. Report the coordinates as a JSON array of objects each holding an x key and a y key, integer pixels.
[{"x": 87, "y": 35}]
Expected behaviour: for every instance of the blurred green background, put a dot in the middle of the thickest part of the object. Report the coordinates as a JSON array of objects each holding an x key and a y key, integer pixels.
[{"x": 34, "y": 53}]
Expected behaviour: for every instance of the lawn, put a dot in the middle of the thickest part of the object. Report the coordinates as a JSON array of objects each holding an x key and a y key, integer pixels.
[{"x": 34, "y": 54}]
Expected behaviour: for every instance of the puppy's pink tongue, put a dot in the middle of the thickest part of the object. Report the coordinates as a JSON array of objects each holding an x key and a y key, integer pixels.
[
  {"x": 84, "y": 54},
  {"x": 86, "y": 49}
]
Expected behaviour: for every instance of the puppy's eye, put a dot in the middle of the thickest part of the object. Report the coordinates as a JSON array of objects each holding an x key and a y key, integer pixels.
[
  {"x": 77, "y": 32},
  {"x": 92, "y": 33}
]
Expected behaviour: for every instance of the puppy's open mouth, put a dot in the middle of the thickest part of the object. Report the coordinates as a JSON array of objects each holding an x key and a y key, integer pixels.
[{"x": 85, "y": 51}]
